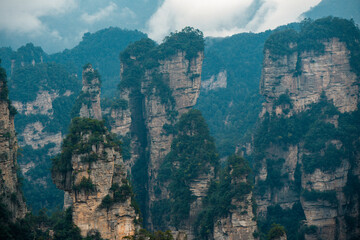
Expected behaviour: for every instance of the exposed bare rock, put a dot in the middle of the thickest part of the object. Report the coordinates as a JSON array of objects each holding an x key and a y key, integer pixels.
[
  {"x": 329, "y": 72},
  {"x": 113, "y": 223},
  {"x": 199, "y": 188},
  {"x": 239, "y": 224},
  {"x": 93, "y": 176},
  {"x": 41, "y": 105},
  {"x": 184, "y": 79},
  {"x": 90, "y": 96},
  {"x": 148, "y": 112},
  {"x": 95, "y": 179},
  {"x": 215, "y": 82},
  {"x": 184, "y": 82},
  {"x": 10, "y": 191},
  {"x": 121, "y": 117},
  {"x": 304, "y": 77},
  {"x": 35, "y": 136}
]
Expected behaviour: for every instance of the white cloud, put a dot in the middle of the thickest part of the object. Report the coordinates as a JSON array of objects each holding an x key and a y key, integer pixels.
[
  {"x": 101, "y": 14},
  {"x": 225, "y": 17},
  {"x": 127, "y": 13},
  {"x": 24, "y": 16}
]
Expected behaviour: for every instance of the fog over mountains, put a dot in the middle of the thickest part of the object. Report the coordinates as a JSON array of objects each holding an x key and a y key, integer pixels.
[{"x": 60, "y": 24}]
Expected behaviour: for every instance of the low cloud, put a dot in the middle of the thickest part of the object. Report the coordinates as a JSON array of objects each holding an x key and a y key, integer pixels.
[
  {"x": 226, "y": 17},
  {"x": 100, "y": 15},
  {"x": 25, "y": 16}
]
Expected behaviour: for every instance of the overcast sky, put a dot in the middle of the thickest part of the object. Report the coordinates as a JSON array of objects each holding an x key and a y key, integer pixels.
[{"x": 59, "y": 24}]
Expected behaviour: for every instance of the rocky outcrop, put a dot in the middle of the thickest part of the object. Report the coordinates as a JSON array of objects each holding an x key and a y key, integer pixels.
[
  {"x": 240, "y": 222},
  {"x": 199, "y": 188},
  {"x": 185, "y": 90},
  {"x": 166, "y": 90},
  {"x": 215, "y": 82},
  {"x": 43, "y": 94},
  {"x": 35, "y": 136},
  {"x": 10, "y": 191},
  {"x": 90, "y": 95},
  {"x": 295, "y": 171},
  {"x": 97, "y": 186},
  {"x": 91, "y": 171},
  {"x": 328, "y": 73},
  {"x": 42, "y": 105}
]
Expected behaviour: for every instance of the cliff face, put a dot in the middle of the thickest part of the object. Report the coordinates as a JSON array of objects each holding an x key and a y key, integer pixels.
[
  {"x": 328, "y": 73},
  {"x": 43, "y": 94},
  {"x": 308, "y": 168},
  {"x": 10, "y": 191},
  {"x": 215, "y": 82},
  {"x": 156, "y": 98},
  {"x": 91, "y": 171},
  {"x": 97, "y": 185},
  {"x": 240, "y": 222},
  {"x": 90, "y": 97},
  {"x": 184, "y": 81}
]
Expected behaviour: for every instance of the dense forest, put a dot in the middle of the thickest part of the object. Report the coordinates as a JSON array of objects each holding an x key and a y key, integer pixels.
[{"x": 222, "y": 138}]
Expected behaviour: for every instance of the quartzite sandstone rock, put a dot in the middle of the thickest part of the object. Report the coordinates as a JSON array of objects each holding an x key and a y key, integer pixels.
[
  {"x": 10, "y": 192},
  {"x": 106, "y": 172},
  {"x": 326, "y": 73}
]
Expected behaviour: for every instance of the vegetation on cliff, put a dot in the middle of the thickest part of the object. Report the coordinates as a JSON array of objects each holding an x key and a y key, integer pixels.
[
  {"x": 234, "y": 183},
  {"x": 25, "y": 84},
  {"x": 145, "y": 55},
  {"x": 140, "y": 62},
  {"x": 289, "y": 218},
  {"x": 27, "y": 81},
  {"x": 312, "y": 36},
  {"x": 101, "y": 49},
  {"x": 74, "y": 142},
  {"x": 325, "y": 147},
  {"x": 4, "y": 91},
  {"x": 118, "y": 193},
  {"x": 312, "y": 128},
  {"x": 231, "y": 112},
  {"x": 58, "y": 226},
  {"x": 192, "y": 153}
]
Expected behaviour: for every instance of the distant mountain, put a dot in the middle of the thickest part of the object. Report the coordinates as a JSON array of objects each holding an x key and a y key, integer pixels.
[
  {"x": 43, "y": 88},
  {"x": 102, "y": 50},
  {"x": 338, "y": 8},
  {"x": 59, "y": 29},
  {"x": 229, "y": 97}
]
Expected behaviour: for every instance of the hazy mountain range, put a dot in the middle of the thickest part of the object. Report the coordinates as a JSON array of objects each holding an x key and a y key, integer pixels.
[{"x": 60, "y": 24}]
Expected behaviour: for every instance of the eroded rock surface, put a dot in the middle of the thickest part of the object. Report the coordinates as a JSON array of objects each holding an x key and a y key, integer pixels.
[
  {"x": 10, "y": 190},
  {"x": 306, "y": 78}
]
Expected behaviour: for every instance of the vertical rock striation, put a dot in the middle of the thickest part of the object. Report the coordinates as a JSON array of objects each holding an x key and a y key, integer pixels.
[
  {"x": 10, "y": 190},
  {"x": 306, "y": 152},
  {"x": 90, "y": 94},
  {"x": 328, "y": 73},
  {"x": 91, "y": 171},
  {"x": 239, "y": 222},
  {"x": 159, "y": 84}
]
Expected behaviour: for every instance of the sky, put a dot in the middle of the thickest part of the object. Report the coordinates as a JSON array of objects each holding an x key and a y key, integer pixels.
[{"x": 58, "y": 24}]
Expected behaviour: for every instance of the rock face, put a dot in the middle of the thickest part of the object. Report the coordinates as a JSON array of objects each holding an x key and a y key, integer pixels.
[
  {"x": 90, "y": 97},
  {"x": 291, "y": 85},
  {"x": 215, "y": 82},
  {"x": 185, "y": 91},
  {"x": 95, "y": 178},
  {"x": 239, "y": 224},
  {"x": 164, "y": 92},
  {"x": 328, "y": 73},
  {"x": 199, "y": 188},
  {"x": 42, "y": 104},
  {"x": 10, "y": 190},
  {"x": 43, "y": 94},
  {"x": 97, "y": 185}
]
